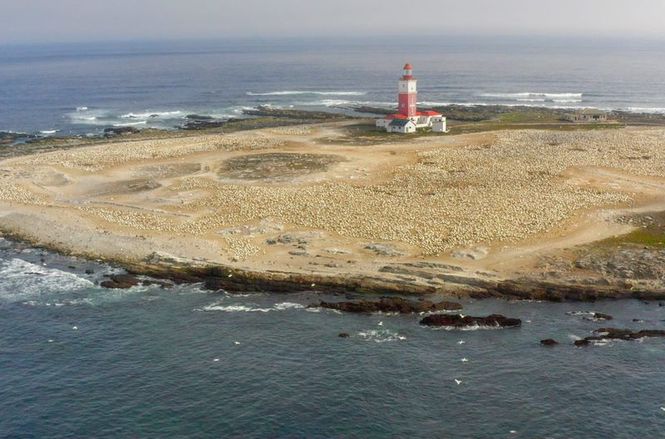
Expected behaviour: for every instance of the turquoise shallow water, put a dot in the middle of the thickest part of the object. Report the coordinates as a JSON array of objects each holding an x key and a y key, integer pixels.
[{"x": 80, "y": 361}]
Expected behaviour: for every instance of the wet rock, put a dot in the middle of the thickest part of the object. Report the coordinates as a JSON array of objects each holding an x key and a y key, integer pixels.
[
  {"x": 619, "y": 334},
  {"x": 598, "y": 316},
  {"x": 119, "y": 131},
  {"x": 459, "y": 321},
  {"x": 120, "y": 281},
  {"x": 391, "y": 305},
  {"x": 549, "y": 342},
  {"x": 344, "y": 335},
  {"x": 89, "y": 271},
  {"x": 201, "y": 122}
]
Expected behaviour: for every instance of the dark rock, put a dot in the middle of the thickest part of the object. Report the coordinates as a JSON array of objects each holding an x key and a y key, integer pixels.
[
  {"x": 458, "y": 321},
  {"x": 118, "y": 131},
  {"x": 619, "y": 334},
  {"x": 549, "y": 342},
  {"x": 199, "y": 122},
  {"x": 120, "y": 281},
  {"x": 344, "y": 335},
  {"x": 601, "y": 316},
  {"x": 89, "y": 271},
  {"x": 391, "y": 305},
  {"x": 163, "y": 285}
]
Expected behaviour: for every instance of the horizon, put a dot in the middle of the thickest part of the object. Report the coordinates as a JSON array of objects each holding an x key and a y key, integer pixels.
[{"x": 151, "y": 20}]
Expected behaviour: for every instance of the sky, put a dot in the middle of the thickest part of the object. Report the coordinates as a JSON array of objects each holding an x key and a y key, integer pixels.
[{"x": 26, "y": 21}]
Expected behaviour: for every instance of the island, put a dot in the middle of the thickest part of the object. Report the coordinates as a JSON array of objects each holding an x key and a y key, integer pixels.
[{"x": 515, "y": 203}]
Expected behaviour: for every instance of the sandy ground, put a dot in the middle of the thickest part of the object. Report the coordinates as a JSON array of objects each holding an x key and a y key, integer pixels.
[{"x": 286, "y": 200}]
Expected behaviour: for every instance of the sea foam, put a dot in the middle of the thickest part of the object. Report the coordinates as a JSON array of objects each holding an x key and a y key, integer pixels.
[{"x": 304, "y": 92}]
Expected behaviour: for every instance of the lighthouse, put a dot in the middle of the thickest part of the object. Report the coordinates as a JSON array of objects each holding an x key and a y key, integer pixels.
[
  {"x": 408, "y": 119},
  {"x": 408, "y": 93}
]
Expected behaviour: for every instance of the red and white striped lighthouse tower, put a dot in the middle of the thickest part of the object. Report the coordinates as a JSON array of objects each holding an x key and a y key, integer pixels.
[{"x": 408, "y": 93}]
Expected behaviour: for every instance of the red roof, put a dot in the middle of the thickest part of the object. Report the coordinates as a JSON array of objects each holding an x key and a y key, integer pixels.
[
  {"x": 396, "y": 116},
  {"x": 428, "y": 113}
]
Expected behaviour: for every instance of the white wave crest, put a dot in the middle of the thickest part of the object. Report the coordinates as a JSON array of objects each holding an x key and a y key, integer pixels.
[
  {"x": 305, "y": 92},
  {"x": 48, "y": 132},
  {"x": 81, "y": 108},
  {"x": 129, "y": 124},
  {"x": 380, "y": 335},
  {"x": 536, "y": 95},
  {"x": 284, "y": 306},
  {"x": 23, "y": 281},
  {"x": 153, "y": 115}
]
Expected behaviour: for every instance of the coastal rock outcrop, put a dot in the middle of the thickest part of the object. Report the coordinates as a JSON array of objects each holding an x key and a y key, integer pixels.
[
  {"x": 120, "y": 281},
  {"x": 604, "y": 334},
  {"x": 458, "y": 321},
  {"x": 549, "y": 342},
  {"x": 126, "y": 281},
  {"x": 390, "y": 305}
]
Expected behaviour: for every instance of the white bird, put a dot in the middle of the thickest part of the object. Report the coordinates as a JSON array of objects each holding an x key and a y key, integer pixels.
[
  {"x": 50, "y": 340},
  {"x": 461, "y": 342},
  {"x": 216, "y": 360},
  {"x": 458, "y": 382},
  {"x": 380, "y": 323},
  {"x": 465, "y": 360},
  {"x": 313, "y": 285},
  {"x": 75, "y": 328},
  {"x": 663, "y": 409},
  {"x": 236, "y": 342}
]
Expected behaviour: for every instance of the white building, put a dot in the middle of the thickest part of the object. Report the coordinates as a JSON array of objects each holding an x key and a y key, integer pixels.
[
  {"x": 408, "y": 111},
  {"x": 403, "y": 126}
]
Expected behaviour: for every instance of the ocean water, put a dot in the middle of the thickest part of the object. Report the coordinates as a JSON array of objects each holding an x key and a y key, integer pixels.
[
  {"x": 84, "y": 88},
  {"x": 80, "y": 361}
]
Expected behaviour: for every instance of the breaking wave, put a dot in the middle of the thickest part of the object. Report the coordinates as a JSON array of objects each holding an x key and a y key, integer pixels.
[
  {"x": 23, "y": 281},
  {"x": 380, "y": 335},
  {"x": 537, "y": 97},
  {"x": 304, "y": 92},
  {"x": 284, "y": 306}
]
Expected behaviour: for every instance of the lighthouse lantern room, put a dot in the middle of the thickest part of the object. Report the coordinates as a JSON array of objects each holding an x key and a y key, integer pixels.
[{"x": 408, "y": 119}]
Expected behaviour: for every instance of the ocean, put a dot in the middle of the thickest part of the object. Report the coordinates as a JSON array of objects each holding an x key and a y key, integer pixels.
[
  {"x": 83, "y": 88},
  {"x": 80, "y": 361}
]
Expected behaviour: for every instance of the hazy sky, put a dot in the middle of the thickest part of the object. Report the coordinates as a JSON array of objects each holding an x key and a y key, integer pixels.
[{"x": 88, "y": 20}]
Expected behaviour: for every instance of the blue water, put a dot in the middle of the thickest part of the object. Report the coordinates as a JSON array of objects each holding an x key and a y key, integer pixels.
[
  {"x": 80, "y": 361},
  {"x": 157, "y": 84}
]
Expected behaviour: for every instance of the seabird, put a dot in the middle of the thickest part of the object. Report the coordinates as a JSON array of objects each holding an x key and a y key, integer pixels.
[
  {"x": 458, "y": 381},
  {"x": 380, "y": 323},
  {"x": 461, "y": 342},
  {"x": 465, "y": 360},
  {"x": 236, "y": 342}
]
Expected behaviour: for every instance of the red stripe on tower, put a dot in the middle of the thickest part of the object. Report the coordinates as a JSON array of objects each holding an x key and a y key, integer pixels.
[{"x": 408, "y": 93}]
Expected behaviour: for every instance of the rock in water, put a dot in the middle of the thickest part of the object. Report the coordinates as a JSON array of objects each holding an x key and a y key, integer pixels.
[
  {"x": 344, "y": 335},
  {"x": 391, "y": 305},
  {"x": 601, "y": 316},
  {"x": 120, "y": 281},
  {"x": 458, "y": 321},
  {"x": 619, "y": 334},
  {"x": 549, "y": 342}
]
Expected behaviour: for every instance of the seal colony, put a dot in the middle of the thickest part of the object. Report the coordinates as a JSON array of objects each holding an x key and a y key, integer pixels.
[{"x": 493, "y": 213}]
